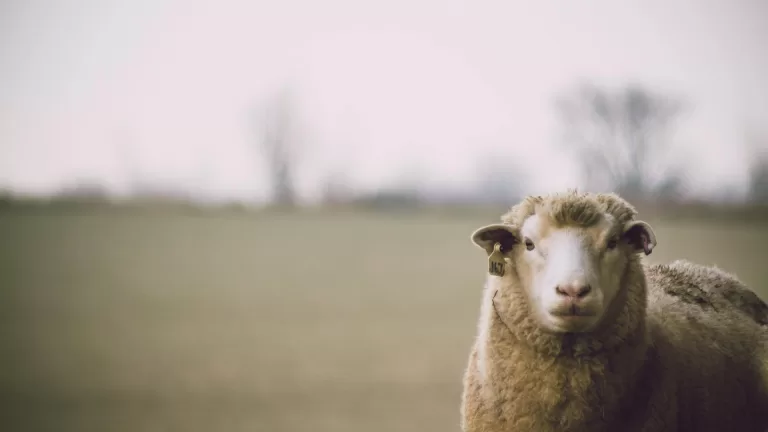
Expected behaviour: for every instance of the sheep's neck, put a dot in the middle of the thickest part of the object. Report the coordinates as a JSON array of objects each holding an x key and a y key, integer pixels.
[{"x": 574, "y": 387}]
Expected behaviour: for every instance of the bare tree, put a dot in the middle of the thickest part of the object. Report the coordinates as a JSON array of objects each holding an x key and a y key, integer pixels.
[
  {"x": 280, "y": 145},
  {"x": 620, "y": 137},
  {"x": 759, "y": 182},
  {"x": 758, "y": 173}
]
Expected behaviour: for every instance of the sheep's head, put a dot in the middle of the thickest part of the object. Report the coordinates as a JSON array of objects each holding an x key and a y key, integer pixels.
[{"x": 567, "y": 253}]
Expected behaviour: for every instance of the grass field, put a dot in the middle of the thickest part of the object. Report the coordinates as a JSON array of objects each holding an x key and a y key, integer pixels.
[{"x": 127, "y": 321}]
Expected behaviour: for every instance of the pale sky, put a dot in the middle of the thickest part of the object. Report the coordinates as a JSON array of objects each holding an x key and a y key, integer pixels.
[{"x": 423, "y": 90}]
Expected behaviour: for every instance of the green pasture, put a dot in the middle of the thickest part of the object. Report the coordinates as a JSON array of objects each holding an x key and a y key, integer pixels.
[{"x": 129, "y": 320}]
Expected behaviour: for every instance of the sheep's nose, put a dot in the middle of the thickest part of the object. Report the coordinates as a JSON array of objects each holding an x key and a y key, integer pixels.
[{"x": 573, "y": 290}]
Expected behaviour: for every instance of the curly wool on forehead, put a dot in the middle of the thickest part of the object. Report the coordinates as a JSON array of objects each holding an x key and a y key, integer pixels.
[{"x": 572, "y": 209}]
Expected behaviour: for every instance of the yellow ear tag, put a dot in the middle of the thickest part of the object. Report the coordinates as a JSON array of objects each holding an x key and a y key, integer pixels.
[{"x": 496, "y": 261}]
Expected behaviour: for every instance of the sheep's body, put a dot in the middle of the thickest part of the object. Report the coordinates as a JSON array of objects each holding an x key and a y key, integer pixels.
[
  {"x": 704, "y": 285},
  {"x": 684, "y": 349},
  {"x": 696, "y": 367}
]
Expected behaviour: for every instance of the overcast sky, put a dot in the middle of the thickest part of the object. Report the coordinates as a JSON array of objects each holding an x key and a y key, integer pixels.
[{"x": 399, "y": 89}]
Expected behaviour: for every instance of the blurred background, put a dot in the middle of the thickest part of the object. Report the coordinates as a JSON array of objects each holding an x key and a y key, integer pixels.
[{"x": 231, "y": 216}]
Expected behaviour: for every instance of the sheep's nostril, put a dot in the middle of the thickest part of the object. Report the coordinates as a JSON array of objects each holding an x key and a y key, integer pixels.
[
  {"x": 584, "y": 290},
  {"x": 575, "y": 291}
]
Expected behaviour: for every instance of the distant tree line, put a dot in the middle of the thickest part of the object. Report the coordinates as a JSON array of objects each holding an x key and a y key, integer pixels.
[{"x": 619, "y": 137}]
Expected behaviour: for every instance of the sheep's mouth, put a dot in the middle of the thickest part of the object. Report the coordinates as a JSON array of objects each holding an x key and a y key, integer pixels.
[
  {"x": 573, "y": 311},
  {"x": 572, "y": 319}
]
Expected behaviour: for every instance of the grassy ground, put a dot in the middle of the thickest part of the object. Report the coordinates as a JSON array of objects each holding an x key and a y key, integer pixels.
[{"x": 129, "y": 321}]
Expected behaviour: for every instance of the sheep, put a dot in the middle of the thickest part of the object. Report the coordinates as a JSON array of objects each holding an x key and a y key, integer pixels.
[{"x": 577, "y": 333}]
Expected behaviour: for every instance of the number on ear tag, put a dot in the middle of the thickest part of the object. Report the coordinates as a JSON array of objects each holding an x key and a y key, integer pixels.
[{"x": 496, "y": 261}]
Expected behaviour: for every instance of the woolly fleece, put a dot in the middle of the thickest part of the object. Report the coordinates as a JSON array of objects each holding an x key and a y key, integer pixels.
[{"x": 683, "y": 347}]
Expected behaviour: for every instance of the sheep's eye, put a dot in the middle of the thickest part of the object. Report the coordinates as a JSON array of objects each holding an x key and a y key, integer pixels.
[
  {"x": 529, "y": 244},
  {"x": 612, "y": 244}
]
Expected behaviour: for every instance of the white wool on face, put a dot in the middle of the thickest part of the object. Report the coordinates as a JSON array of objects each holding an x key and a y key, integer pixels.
[
  {"x": 566, "y": 256},
  {"x": 568, "y": 263}
]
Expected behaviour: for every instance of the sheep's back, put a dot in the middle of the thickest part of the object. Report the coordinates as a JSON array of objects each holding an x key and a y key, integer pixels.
[
  {"x": 706, "y": 287},
  {"x": 710, "y": 330}
]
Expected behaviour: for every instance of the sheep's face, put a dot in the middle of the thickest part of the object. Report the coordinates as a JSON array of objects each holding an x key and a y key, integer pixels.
[{"x": 569, "y": 273}]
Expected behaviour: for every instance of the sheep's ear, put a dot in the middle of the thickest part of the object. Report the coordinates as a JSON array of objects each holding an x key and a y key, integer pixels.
[
  {"x": 640, "y": 236},
  {"x": 487, "y": 236}
]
